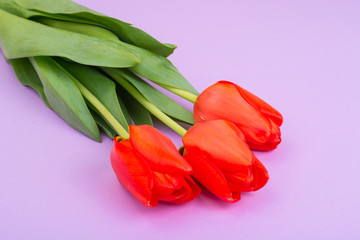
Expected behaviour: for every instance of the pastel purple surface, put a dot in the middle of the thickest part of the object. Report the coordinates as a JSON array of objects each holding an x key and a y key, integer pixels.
[{"x": 302, "y": 57}]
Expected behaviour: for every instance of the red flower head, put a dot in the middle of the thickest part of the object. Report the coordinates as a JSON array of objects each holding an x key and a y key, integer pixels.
[
  {"x": 259, "y": 122},
  {"x": 149, "y": 166},
  {"x": 222, "y": 161}
]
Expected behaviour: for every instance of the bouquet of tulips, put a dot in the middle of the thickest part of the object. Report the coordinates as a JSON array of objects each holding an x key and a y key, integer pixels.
[{"x": 91, "y": 70}]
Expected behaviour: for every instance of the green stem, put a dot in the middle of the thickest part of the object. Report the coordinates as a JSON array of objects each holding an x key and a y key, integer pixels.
[
  {"x": 146, "y": 103},
  {"x": 184, "y": 94},
  {"x": 102, "y": 109}
]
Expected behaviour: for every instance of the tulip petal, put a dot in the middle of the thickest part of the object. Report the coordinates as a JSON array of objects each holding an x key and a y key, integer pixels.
[
  {"x": 265, "y": 147},
  {"x": 176, "y": 189},
  {"x": 158, "y": 150},
  {"x": 261, "y": 176},
  {"x": 261, "y": 105},
  {"x": 221, "y": 142},
  {"x": 176, "y": 195},
  {"x": 180, "y": 192},
  {"x": 133, "y": 172},
  {"x": 236, "y": 196},
  {"x": 273, "y": 141},
  {"x": 240, "y": 178},
  {"x": 164, "y": 184},
  {"x": 275, "y": 136},
  {"x": 210, "y": 176},
  {"x": 192, "y": 189},
  {"x": 224, "y": 101}
]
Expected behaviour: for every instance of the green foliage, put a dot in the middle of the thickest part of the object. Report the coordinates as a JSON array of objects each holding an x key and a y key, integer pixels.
[
  {"x": 64, "y": 96},
  {"x": 27, "y": 75},
  {"x": 30, "y": 38}
]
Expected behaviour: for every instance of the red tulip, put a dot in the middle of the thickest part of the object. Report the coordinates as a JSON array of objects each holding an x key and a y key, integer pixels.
[
  {"x": 149, "y": 166},
  {"x": 222, "y": 161},
  {"x": 259, "y": 122}
]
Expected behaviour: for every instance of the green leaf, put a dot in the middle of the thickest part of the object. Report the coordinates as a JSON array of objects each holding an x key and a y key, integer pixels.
[
  {"x": 154, "y": 67},
  {"x": 64, "y": 97},
  {"x": 160, "y": 100},
  {"x": 123, "y": 108},
  {"x": 86, "y": 29},
  {"x": 100, "y": 86},
  {"x": 27, "y": 75},
  {"x": 24, "y": 38},
  {"x": 139, "y": 114},
  {"x": 103, "y": 124},
  {"x": 63, "y": 9},
  {"x": 160, "y": 70},
  {"x": 11, "y": 7}
]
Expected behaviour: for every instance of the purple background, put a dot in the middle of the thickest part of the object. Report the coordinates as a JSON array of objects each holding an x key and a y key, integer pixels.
[{"x": 300, "y": 56}]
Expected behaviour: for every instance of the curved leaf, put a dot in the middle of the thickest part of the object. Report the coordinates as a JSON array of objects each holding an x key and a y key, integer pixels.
[
  {"x": 64, "y": 97},
  {"x": 108, "y": 130},
  {"x": 86, "y": 29},
  {"x": 11, "y": 7},
  {"x": 100, "y": 86},
  {"x": 139, "y": 114},
  {"x": 154, "y": 67},
  {"x": 24, "y": 38},
  {"x": 124, "y": 30},
  {"x": 27, "y": 75},
  {"x": 160, "y": 70}
]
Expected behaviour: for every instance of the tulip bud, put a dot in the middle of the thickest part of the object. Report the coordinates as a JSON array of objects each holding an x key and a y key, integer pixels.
[
  {"x": 222, "y": 161},
  {"x": 259, "y": 122},
  {"x": 150, "y": 168}
]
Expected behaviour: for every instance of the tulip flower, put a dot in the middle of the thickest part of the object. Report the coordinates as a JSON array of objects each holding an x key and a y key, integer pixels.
[
  {"x": 149, "y": 166},
  {"x": 222, "y": 161},
  {"x": 259, "y": 122}
]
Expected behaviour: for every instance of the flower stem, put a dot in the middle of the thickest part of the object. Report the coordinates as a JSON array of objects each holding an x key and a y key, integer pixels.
[
  {"x": 146, "y": 103},
  {"x": 102, "y": 109},
  {"x": 181, "y": 93}
]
